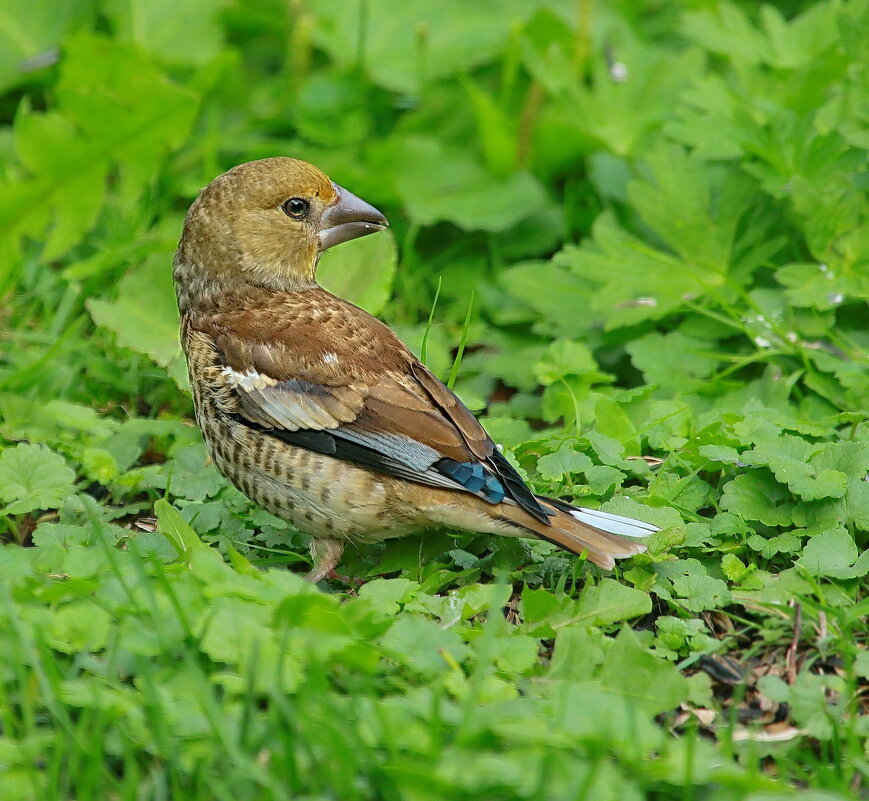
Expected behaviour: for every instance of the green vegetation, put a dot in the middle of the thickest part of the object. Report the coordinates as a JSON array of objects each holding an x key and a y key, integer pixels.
[{"x": 647, "y": 221}]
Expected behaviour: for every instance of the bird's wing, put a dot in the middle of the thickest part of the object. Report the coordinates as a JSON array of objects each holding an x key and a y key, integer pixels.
[{"x": 369, "y": 401}]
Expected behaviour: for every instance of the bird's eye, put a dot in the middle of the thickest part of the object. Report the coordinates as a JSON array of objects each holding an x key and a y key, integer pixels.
[{"x": 296, "y": 207}]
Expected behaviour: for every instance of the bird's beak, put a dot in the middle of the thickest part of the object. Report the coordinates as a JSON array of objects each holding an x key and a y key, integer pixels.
[{"x": 349, "y": 217}]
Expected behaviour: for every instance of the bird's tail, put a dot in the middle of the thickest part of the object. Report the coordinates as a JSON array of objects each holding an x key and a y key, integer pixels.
[{"x": 602, "y": 536}]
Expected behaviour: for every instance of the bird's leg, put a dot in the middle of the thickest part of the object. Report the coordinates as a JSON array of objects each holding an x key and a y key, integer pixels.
[{"x": 326, "y": 554}]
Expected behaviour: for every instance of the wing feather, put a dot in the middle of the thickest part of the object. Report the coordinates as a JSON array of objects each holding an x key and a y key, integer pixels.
[{"x": 370, "y": 402}]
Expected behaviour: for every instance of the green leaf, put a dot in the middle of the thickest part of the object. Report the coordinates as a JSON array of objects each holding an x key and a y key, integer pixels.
[
  {"x": 237, "y": 634},
  {"x": 861, "y": 663},
  {"x": 600, "y": 478},
  {"x": 479, "y": 598},
  {"x": 423, "y": 646},
  {"x": 386, "y": 595},
  {"x": 697, "y": 590},
  {"x": 632, "y": 281},
  {"x": 757, "y": 496},
  {"x": 176, "y": 529},
  {"x": 417, "y": 42},
  {"x": 566, "y": 358},
  {"x": 332, "y": 110},
  {"x": 728, "y": 31},
  {"x": 151, "y": 328},
  {"x": 361, "y": 271},
  {"x": 610, "y": 451},
  {"x": 791, "y": 460},
  {"x": 125, "y": 106},
  {"x": 555, "y": 306},
  {"x": 193, "y": 474},
  {"x": 578, "y": 652},
  {"x": 609, "y": 111},
  {"x": 114, "y": 108},
  {"x": 809, "y": 707},
  {"x": 673, "y": 360},
  {"x": 539, "y": 604},
  {"x": 667, "y": 424},
  {"x": 831, "y": 553},
  {"x": 439, "y": 184},
  {"x": 850, "y": 458},
  {"x": 28, "y": 32},
  {"x": 818, "y": 286},
  {"x": 709, "y": 120},
  {"x": 802, "y": 40},
  {"x": 610, "y": 601},
  {"x": 497, "y": 134},
  {"x": 33, "y": 477},
  {"x": 79, "y": 627},
  {"x": 39, "y": 140},
  {"x": 565, "y": 461},
  {"x": 676, "y": 201},
  {"x": 720, "y": 453},
  {"x": 611, "y": 421},
  {"x": 188, "y": 33},
  {"x": 516, "y": 654},
  {"x": 733, "y": 568},
  {"x": 769, "y": 547},
  {"x": 652, "y": 684}
]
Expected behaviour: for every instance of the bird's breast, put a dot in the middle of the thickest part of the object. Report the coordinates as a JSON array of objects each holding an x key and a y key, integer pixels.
[{"x": 321, "y": 495}]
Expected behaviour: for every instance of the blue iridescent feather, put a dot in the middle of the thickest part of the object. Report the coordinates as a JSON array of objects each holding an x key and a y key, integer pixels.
[{"x": 474, "y": 478}]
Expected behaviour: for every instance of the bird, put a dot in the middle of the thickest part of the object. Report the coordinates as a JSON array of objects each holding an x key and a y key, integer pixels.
[{"x": 315, "y": 409}]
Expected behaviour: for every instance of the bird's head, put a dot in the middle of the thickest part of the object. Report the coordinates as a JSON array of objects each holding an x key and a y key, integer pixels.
[{"x": 265, "y": 223}]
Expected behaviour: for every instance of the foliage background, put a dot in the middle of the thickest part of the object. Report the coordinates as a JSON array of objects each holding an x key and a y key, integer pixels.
[{"x": 634, "y": 233}]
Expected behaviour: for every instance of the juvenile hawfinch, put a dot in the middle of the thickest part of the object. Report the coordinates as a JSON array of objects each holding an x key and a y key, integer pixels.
[{"x": 315, "y": 409}]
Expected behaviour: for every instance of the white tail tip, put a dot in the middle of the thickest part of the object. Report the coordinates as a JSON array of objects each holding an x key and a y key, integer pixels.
[{"x": 614, "y": 524}]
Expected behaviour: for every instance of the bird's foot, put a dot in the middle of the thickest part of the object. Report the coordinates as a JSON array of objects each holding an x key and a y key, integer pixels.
[
  {"x": 326, "y": 554},
  {"x": 350, "y": 581}
]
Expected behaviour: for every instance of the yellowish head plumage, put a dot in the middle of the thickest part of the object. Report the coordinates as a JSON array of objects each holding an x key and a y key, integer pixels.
[{"x": 265, "y": 223}]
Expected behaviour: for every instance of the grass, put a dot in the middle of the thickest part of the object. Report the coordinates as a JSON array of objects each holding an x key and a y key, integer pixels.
[{"x": 633, "y": 237}]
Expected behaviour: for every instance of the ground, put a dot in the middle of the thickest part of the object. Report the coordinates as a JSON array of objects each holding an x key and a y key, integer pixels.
[{"x": 631, "y": 235}]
